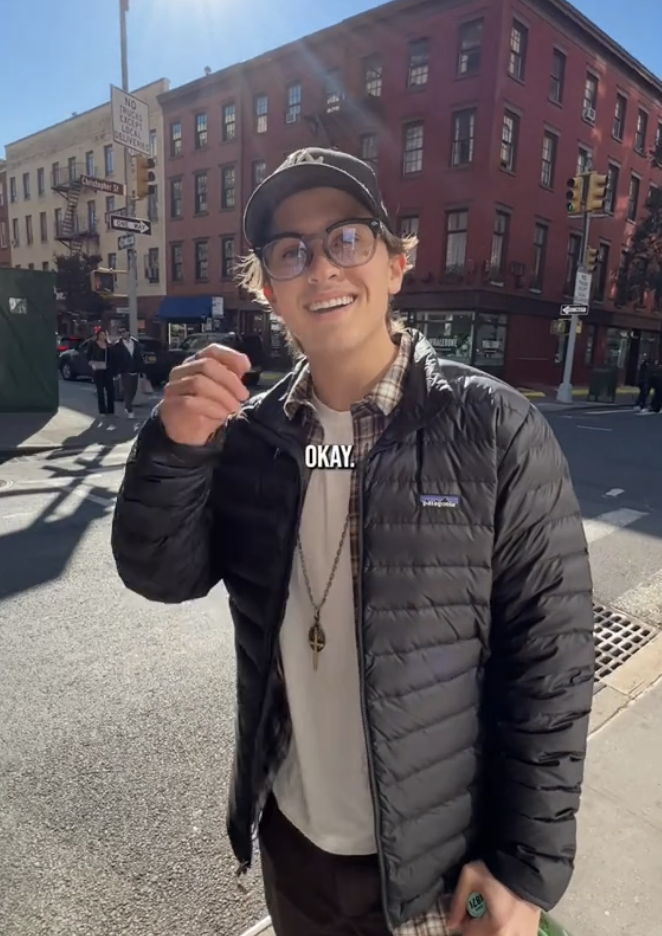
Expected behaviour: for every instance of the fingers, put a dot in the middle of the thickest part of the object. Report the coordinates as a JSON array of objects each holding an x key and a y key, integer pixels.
[
  {"x": 213, "y": 410},
  {"x": 199, "y": 386},
  {"x": 237, "y": 362},
  {"x": 213, "y": 371}
]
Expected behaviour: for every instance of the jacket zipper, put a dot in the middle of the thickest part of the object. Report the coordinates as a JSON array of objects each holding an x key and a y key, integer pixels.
[
  {"x": 296, "y": 456},
  {"x": 364, "y": 717}
]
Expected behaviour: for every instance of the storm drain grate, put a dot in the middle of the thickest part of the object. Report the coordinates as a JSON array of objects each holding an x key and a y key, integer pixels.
[{"x": 617, "y": 639}]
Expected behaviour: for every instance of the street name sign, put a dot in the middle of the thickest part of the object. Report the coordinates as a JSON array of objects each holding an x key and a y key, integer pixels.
[
  {"x": 102, "y": 185},
  {"x": 574, "y": 310},
  {"x": 132, "y": 225},
  {"x": 130, "y": 118},
  {"x": 126, "y": 241}
]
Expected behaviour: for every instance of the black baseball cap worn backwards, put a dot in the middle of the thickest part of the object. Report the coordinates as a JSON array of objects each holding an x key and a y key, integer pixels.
[{"x": 307, "y": 169}]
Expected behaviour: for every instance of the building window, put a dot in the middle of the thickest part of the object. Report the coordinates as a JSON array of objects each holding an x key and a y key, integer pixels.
[
  {"x": 619, "y": 117},
  {"x": 13, "y": 195},
  {"x": 633, "y": 198},
  {"x": 229, "y": 118},
  {"x": 177, "y": 263},
  {"x": 490, "y": 340},
  {"x": 15, "y": 233},
  {"x": 639, "y": 136},
  {"x": 55, "y": 173},
  {"x": 91, "y": 216},
  {"x": 412, "y": 158},
  {"x": 419, "y": 63},
  {"x": 509, "y": 136},
  {"x": 589, "y": 351},
  {"x": 26, "y": 186},
  {"x": 293, "y": 112},
  {"x": 584, "y": 159},
  {"x": 228, "y": 187},
  {"x": 548, "y": 166},
  {"x": 176, "y": 198},
  {"x": 29, "y": 234},
  {"x": 499, "y": 245},
  {"x": 572, "y": 263},
  {"x": 112, "y": 261},
  {"x": 152, "y": 265},
  {"x": 332, "y": 91},
  {"x": 369, "y": 148},
  {"x": 57, "y": 221},
  {"x": 456, "y": 241},
  {"x": 469, "y": 43},
  {"x": 43, "y": 226},
  {"x": 110, "y": 208},
  {"x": 89, "y": 163},
  {"x": 258, "y": 172},
  {"x": 590, "y": 98},
  {"x": 540, "y": 238},
  {"x": 3, "y": 235},
  {"x": 519, "y": 36},
  {"x": 176, "y": 144},
  {"x": 372, "y": 75},
  {"x": 227, "y": 257},
  {"x": 108, "y": 160},
  {"x": 612, "y": 188},
  {"x": 153, "y": 203},
  {"x": 44, "y": 266},
  {"x": 557, "y": 77},
  {"x": 200, "y": 190},
  {"x": 601, "y": 276},
  {"x": 409, "y": 227},
  {"x": 72, "y": 169},
  {"x": 41, "y": 181},
  {"x": 261, "y": 106},
  {"x": 200, "y": 131},
  {"x": 463, "y": 138},
  {"x": 153, "y": 143},
  {"x": 202, "y": 260}
]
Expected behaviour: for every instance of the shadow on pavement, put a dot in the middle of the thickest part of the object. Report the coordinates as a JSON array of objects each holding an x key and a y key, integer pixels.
[
  {"x": 17, "y": 428},
  {"x": 105, "y": 431}
]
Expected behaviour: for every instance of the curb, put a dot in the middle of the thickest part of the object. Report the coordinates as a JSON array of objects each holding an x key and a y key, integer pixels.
[
  {"x": 262, "y": 927},
  {"x": 622, "y": 687}
]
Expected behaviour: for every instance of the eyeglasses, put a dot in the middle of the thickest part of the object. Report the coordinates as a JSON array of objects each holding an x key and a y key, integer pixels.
[{"x": 348, "y": 243}]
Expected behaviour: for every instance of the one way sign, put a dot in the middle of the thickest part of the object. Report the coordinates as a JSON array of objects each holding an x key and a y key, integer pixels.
[{"x": 134, "y": 225}]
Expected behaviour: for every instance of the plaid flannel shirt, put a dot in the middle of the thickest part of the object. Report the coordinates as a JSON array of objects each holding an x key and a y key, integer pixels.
[{"x": 370, "y": 417}]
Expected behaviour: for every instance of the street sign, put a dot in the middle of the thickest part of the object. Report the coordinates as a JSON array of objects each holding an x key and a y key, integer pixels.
[
  {"x": 102, "y": 185},
  {"x": 574, "y": 310},
  {"x": 582, "y": 294},
  {"x": 130, "y": 117},
  {"x": 134, "y": 225},
  {"x": 126, "y": 241}
]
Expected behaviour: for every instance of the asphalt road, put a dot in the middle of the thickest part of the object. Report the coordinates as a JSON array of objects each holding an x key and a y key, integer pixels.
[{"x": 116, "y": 715}]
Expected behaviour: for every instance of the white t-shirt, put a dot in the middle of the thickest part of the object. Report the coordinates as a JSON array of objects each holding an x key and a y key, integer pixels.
[{"x": 323, "y": 786}]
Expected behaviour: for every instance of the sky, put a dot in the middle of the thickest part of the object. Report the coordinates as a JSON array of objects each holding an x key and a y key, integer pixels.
[{"x": 58, "y": 57}]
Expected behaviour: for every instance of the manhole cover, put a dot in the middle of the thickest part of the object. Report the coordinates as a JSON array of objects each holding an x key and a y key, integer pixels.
[{"x": 617, "y": 639}]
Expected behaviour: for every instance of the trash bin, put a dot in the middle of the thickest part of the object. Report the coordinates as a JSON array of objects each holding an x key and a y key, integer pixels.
[{"x": 603, "y": 384}]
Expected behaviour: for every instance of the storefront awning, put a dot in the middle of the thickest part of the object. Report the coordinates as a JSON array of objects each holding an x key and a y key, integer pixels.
[{"x": 184, "y": 308}]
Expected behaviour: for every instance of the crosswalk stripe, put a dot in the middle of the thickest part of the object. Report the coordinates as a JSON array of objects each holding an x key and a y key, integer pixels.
[{"x": 596, "y": 528}]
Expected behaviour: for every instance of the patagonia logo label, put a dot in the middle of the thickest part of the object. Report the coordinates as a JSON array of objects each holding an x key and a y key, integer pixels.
[{"x": 440, "y": 500}]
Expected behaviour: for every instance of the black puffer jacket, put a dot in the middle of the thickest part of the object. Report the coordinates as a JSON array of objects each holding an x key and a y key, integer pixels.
[{"x": 476, "y": 635}]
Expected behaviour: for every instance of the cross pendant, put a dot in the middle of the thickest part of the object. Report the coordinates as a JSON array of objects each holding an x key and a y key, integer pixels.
[{"x": 317, "y": 640}]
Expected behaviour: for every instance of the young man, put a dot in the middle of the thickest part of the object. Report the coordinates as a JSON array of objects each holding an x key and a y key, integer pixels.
[
  {"x": 414, "y": 625},
  {"x": 130, "y": 365}
]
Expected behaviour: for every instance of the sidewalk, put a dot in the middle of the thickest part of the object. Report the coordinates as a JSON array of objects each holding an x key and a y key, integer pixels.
[{"x": 619, "y": 865}]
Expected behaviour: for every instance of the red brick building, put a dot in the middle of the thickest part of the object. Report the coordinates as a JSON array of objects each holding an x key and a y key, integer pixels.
[
  {"x": 5, "y": 245},
  {"x": 475, "y": 116}
]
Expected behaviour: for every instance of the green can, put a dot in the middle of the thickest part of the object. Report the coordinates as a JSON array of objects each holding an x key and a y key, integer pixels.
[{"x": 476, "y": 908}]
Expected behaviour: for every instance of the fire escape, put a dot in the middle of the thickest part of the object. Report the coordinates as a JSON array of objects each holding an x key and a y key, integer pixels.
[{"x": 73, "y": 229}]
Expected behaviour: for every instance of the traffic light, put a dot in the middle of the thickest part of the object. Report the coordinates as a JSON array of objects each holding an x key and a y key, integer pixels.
[
  {"x": 574, "y": 194},
  {"x": 597, "y": 191},
  {"x": 591, "y": 259},
  {"x": 103, "y": 281},
  {"x": 145, "y": 176}
]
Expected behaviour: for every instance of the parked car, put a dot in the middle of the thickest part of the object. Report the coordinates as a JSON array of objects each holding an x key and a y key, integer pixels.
[
  {"x": 73, "y": 362},
  {"x": 250, "y": 345},
  {"x": 65, "y": 342}
]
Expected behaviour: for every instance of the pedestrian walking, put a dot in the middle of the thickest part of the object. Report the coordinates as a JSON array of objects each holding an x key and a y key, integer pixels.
[
  {"x": 100, "y": 357},
  {"x": 130, "y": 365},
  {"x": 408, "y": 578},
  {"x": 644, "y": 384}
]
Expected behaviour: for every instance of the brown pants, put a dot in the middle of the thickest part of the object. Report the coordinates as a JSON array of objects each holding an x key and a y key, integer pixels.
[{"x": 312, "y": 893}]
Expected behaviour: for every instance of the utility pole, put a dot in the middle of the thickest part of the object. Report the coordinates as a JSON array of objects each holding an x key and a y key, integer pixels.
[
  {"x": 586, "y": 192},
  {"x": 131, "y": 265}
]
